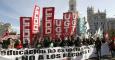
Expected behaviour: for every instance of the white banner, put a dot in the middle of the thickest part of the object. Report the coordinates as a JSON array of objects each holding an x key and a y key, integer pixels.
[{"x": 55, "y": 53}]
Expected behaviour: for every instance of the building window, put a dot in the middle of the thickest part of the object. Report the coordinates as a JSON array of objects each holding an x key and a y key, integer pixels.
[
  {"x": 101, "y": 23},
  {"x": 96, "y": 17},
  {"x": 97, "y": 23}
]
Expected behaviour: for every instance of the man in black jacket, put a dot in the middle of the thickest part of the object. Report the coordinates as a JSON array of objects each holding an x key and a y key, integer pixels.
[{"x": 98, "y": 47}]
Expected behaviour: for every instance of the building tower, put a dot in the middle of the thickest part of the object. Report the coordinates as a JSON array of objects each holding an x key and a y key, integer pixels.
[
  {"x": 72, "y": 5},
  {"x": 90, "y": 12}
]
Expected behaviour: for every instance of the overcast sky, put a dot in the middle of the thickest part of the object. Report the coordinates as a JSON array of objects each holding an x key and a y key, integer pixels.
[{"x": 11, "y": 10}]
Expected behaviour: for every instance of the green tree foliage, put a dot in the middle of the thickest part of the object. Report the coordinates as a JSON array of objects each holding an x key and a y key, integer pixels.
[{"x": 112, "y": 33}]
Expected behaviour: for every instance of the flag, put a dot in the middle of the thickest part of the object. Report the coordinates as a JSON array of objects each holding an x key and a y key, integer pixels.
[
  {"x": 6, "y": 33},
  {"x": 86, "y": 28},
  {"x": 106, "y": 35},
  {"x": 86, "y": 25},
  {"x": 35, "y": 19},
  {"x": 99, "y": 32},
  {"x": 48, "y": 21}
]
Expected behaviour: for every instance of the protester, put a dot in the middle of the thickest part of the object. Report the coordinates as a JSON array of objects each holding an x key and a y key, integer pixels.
[
  {"x": 84, "y": 42},
  {"x": 92, "y": 41},
  {"x": 57, "y": 42},
  {"x": 19, "y": 46},
  {"x": 26, "y": 44},
  {"x": 1, "y": 44},
  {"x": 12, "y": 42},
  {"x": 70, "y": 42},
  {"x": 66, "y": 58},
  {"x": 61, "y": 43},
  {"x": 77, "y": 42},
  {"x": 46, "y": 42},
  {"x": 66, "y": 41},
  {"x": 52, "y": 43},
  {"x": 6, "y": 43},
  {"x": 112, "y": 47},
  {"x": 103, "y": 40},
  {"x": 38, "y": 45},
  {"x": 98, "y": 47},
  {"x": 16, "y": 43}
]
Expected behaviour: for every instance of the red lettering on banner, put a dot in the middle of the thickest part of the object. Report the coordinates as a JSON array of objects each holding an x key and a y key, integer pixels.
[
  {"x": 67, "y": 19},
  {"x": 65, "y": 27},
  {"x": 74, "y": 23},
  {"x": 58, "y": 28},
  {"x": 70, "y": 21}
]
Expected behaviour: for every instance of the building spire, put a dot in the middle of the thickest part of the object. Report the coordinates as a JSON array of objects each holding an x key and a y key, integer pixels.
[{"x": 72, "y": 5}]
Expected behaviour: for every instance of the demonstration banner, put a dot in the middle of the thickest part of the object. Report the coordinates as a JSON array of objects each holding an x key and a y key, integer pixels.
[
  {"x": 25, "y": 29},
  {"x": 48, "y": 20},
  {"x": 58, "y": 28},
  {"x": 35, "y": 20},
  {"x": 56, "y": 53},
  {"x": 74, "y": 23},
  {"x": 70, "y": 23},
  {"x": 67, "y": 18}
]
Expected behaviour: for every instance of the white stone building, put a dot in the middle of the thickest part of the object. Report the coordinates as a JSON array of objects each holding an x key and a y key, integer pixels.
[
  {"x": 72, "y": 6},
  {"x": 5, "y": 27},
  {"x": 96, "y": 20},
  {"x": 110, "y": 24}
]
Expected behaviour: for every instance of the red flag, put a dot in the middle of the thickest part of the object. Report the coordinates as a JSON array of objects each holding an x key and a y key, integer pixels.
[
  {"x": 67, "y": 23},
  {"x": 25, "y": 31},
  {"x": 36, "y": 20},
  {"x": 58, "y": 28},
  {"x": 6, "y": 33},
  {"x": 70, "y": 21},
  {"x": 73, "y": 23},
  {"x": 48, "y": 21}
]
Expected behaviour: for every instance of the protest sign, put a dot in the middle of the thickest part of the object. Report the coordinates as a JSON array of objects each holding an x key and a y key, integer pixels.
[{"x": 56, "y": 53}]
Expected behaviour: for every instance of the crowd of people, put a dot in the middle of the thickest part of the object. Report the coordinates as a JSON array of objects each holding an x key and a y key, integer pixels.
[
  {"x": 11, "y": 43},
  {"x": 47, "y": 42},
  {"x": 68, "y": 41},
  {"x": 78, "y": 42}
]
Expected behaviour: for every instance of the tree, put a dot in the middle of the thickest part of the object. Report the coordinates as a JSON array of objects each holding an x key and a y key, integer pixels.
[{"x": 112, "y": 33}]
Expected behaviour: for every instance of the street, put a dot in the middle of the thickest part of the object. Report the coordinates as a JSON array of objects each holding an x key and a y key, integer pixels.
[{"x": 109, "y": 57}]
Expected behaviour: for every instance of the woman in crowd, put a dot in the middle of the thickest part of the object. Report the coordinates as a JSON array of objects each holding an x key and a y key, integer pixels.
[
  {"x": 11, "y": 44},
  {"x": 19, "y": 45}
]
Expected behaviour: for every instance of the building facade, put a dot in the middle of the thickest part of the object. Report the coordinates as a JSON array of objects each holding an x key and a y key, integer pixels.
[
  {"x": 96, "y": 20},
  {"x": 111, "y": 24},
  {"x": 72, "y": 6},
  {"x": 5, "y": 27}
]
